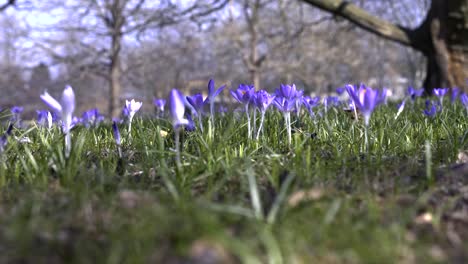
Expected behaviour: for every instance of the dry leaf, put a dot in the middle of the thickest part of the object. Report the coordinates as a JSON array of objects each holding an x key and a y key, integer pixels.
[{"x": 305, "y": 195}]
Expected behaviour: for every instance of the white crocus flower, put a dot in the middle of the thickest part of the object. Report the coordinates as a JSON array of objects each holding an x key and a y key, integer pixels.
[
  {"x": 132, "y": 107},
  {"x": 64, "y": 109}
]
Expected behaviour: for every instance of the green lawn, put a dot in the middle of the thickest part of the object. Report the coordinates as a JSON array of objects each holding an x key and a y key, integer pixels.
[{"x": 326, "y": 198}]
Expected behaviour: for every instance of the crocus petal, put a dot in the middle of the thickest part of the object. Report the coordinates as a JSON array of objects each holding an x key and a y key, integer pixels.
[
  {"x": 210, "y": 87},
  {"x": 68, "y": 106},
  {"x": 51, "y": 102},
  {"x": 116, "y": 132},
  {"x": 220, "y": 89},
  {"x": 177, "y": 108},
  {"x": 68, "y": 101}
]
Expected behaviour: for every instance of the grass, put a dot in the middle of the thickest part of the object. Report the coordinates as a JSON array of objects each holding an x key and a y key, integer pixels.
[{"x": 322, "y": 199}]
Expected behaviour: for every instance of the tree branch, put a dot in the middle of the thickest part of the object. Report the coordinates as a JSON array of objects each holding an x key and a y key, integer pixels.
[
  {"x": 367, "y": 21},
  {"x": 7, "y": 4}
]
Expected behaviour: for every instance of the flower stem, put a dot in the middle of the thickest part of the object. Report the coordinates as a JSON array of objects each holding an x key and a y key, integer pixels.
[
  {"x": 261, "y": 125},
  {"x": 177, "y": 147},
  {"x": 287, "y": 119},
  {"x": 67, "y": 144},
  {"x": 212, "y": 111},
  {"x": 249, "y": 132},
  {"x": 200, "y": 122},
  {"x": 366, "y": 141},
  {"x": 254, "y": 121}
]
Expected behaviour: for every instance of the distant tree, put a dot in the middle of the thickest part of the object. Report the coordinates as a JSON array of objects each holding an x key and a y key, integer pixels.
[
  {"x": 442, "y": 37},
  {"x": 40, "y": 77},
  {"x": 104, "y": 25},
  {"x": 266, "y": 28}
]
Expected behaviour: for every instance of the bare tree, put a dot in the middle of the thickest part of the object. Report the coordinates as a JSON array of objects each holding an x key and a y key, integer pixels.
[
  {"x": 442, "y": 37},
  {"x": 105, "y": 25},
  {"x": 267, "y": 27}
]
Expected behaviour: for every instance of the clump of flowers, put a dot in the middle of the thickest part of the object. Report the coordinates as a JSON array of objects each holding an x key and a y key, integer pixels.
[
  {"x": 432, "y": 108},
  {"x": 287, "y": 97},
  {"x": 91, "y": 118},
  {"x": 310, "y": 103}
]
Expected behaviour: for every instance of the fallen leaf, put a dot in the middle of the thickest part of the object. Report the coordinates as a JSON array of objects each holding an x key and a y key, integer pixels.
[{"x": 305, "y": 195}]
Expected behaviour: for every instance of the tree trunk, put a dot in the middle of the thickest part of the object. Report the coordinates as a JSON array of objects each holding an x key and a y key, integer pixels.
[
  {"x": 115, "y": 74},
  {"x": 255, "y": 76},
  {"x": 442, "y": 37},
  {"x": 447, "y": 56}
]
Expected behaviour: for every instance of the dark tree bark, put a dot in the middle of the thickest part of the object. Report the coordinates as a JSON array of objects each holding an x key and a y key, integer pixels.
[
  {"x": 442, "y": 37},
  {"x": 7, "y": 4},
  {"x": 115, "y": 24}
]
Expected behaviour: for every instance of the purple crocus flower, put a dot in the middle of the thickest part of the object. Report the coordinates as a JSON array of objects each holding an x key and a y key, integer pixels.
[
  {"x": 365, "y": 99},
  {"x": 190, "y": 127},
  {"x": 413, "y": 93},
  {"x": 464, "y": 100},
  {"x": 197, "y": 103},
  {"x": 44, "y": 118},
  {"x": 330, "y": 101},
  {"x": 382, "y": 96},
  {"x": 340, "y": 90},
  {"x": 431, "y": 109},
  {"x": 263, "y": 100},
  {"x": 440, "y": 93},
  {"x": 222, "y": 109},
  {"x": 159, "y": 103},
  {"x": 177, "y": 107},
  {"x": 287, "y": 91},
  {"x": 310, "y": 103},
  {"x": 65, "y": 109},
  {"x": 455, "y": 93},
  {"x": 212, "y": 93},
  {"x": 284, "y": 104},
  {"x": 91, "y": 118},
  {"x": 244, "y": 93},
  {"x": 125, "y": 112},
  {"x": 291, "y": 93},
  {"x": 16, "y": 111}
]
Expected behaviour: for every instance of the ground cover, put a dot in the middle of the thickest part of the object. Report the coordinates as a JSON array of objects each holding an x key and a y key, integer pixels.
[{"x": 327, "y": 197}]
